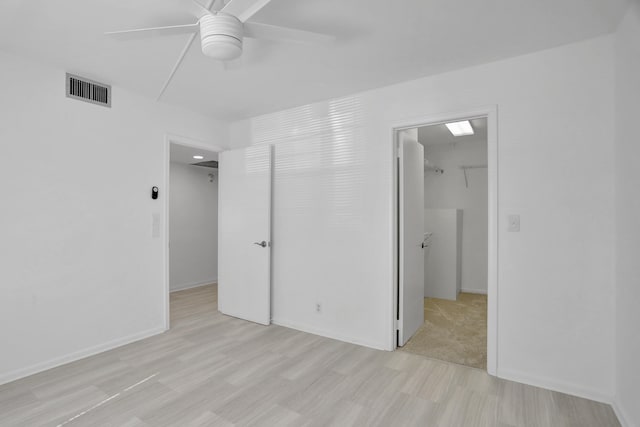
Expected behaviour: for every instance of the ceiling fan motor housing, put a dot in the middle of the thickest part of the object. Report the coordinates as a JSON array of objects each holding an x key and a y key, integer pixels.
[{"x": 221, "y": 36}]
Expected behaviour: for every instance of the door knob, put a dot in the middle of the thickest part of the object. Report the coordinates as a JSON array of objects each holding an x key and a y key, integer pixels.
[{"x": 263, "y": 244}]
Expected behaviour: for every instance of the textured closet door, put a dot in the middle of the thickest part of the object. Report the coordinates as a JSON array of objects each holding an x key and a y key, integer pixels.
[{"x": 244, "y": 234}]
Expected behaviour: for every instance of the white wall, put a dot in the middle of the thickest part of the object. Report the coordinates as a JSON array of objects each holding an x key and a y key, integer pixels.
[
  {"x": 333, "y": 209},
  {"x": 448, "y": 191},
  {"x": 627, "y": 214},
  {"x": 443, "y": 255},
  {"x": 80, "y": 269},
  {"x": 193, "y": 226}
]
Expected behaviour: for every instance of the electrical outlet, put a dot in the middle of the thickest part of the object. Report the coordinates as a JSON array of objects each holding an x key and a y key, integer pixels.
[
  {"x": 514, "y": 223},
  {"x": 318, "y": 307}
]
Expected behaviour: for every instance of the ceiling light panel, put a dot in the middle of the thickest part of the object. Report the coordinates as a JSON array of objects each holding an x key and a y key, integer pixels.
[{"x": 462, "y": 128}]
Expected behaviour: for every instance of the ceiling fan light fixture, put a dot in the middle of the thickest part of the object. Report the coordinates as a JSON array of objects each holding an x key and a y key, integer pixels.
[
  {"x": 221, "y": 36},
  {"x": 222, "y": 24},
  {"x": 222, "y": 48}
]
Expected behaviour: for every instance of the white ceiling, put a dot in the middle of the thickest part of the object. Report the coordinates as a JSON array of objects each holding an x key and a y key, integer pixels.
[
  {"x": 439, "y": 134},
  {"x": 184, "y": 155},
  {"x": 379, "y": 43}
]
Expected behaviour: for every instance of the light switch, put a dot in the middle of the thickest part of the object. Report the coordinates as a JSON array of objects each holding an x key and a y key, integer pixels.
[{"x": 514, "y": 223}]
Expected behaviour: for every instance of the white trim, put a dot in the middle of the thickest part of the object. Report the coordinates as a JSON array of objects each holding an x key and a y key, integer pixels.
[
  {"x": 491, "y": 113},
  {"x": 623, "y": 416},
  {"x": 72, "y": 357},
  {"x": 474, "y": 291},
  {"x": 170, "y": 138},
  {"x": 393, "y": 255},
  {"x": 185, "y": 141},
  {"x": 191, "y": 285},
  {"x": 554, "y": 385},
  {"x": 165, "y": 236},
  {"x": 324, "y": 333}
]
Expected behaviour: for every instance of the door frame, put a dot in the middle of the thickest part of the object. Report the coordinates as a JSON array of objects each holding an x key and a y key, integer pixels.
[
  {"x": 491, "y": 114},
  {"x": 169, "y": 139}
]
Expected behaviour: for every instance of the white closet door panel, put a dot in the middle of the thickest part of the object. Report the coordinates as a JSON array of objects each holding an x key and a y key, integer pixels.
[
  {"x": 411, "y": 234},
  {"x": 244, "y": 234}
]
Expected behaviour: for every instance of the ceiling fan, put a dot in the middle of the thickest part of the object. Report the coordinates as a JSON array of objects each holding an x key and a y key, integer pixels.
[{"x": 223, "y": 28}]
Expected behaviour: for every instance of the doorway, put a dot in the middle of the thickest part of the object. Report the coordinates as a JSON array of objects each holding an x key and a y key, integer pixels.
[
  {"x": 191, "y": 232},
  {"x": 459, "y": 240}
]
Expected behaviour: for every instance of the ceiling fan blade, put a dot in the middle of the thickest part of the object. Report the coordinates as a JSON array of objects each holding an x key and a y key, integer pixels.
[
  {"x": 207, "y": 6},
  {"x": 175, "y": 67},
  {"x": 157, "y": 31},
  {"x": 244, "y": 9},
  {"x": 274, "y": 32},
  {"x": 196, "y": 9},
  {"x": 218, "y": 4}
]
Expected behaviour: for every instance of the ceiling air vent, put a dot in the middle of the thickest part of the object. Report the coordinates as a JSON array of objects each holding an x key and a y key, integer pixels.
[
  {"x": 207, "y": 164},
  {"x": 88, "y": 90}
]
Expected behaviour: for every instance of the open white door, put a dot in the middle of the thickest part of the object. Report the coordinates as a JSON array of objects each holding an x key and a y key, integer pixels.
[
  {"x": 410, "y": 234},
  {"x": 244, "y": 234}
]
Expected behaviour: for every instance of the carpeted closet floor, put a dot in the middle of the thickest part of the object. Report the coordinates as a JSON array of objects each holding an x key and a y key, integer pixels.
[{"x": 454, "y": 331}]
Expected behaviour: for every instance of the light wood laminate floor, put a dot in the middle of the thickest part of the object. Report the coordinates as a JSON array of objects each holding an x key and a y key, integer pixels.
[{"x": 213, "y": 370}]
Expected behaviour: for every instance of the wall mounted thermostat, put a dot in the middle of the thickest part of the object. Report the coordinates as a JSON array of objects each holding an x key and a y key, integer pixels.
[{"x": 154, "y": 193}]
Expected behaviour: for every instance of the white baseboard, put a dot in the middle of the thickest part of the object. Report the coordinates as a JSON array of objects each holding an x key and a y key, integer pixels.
[
  {"x": 326, "y": 334},
  {"x": 91, "y": 351},
  {"x": 554, "y": 385},
  {"x": 183, "y": 286},
  {"x": 623, "y": 416},
  {"x": 474, "y": 291}
]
